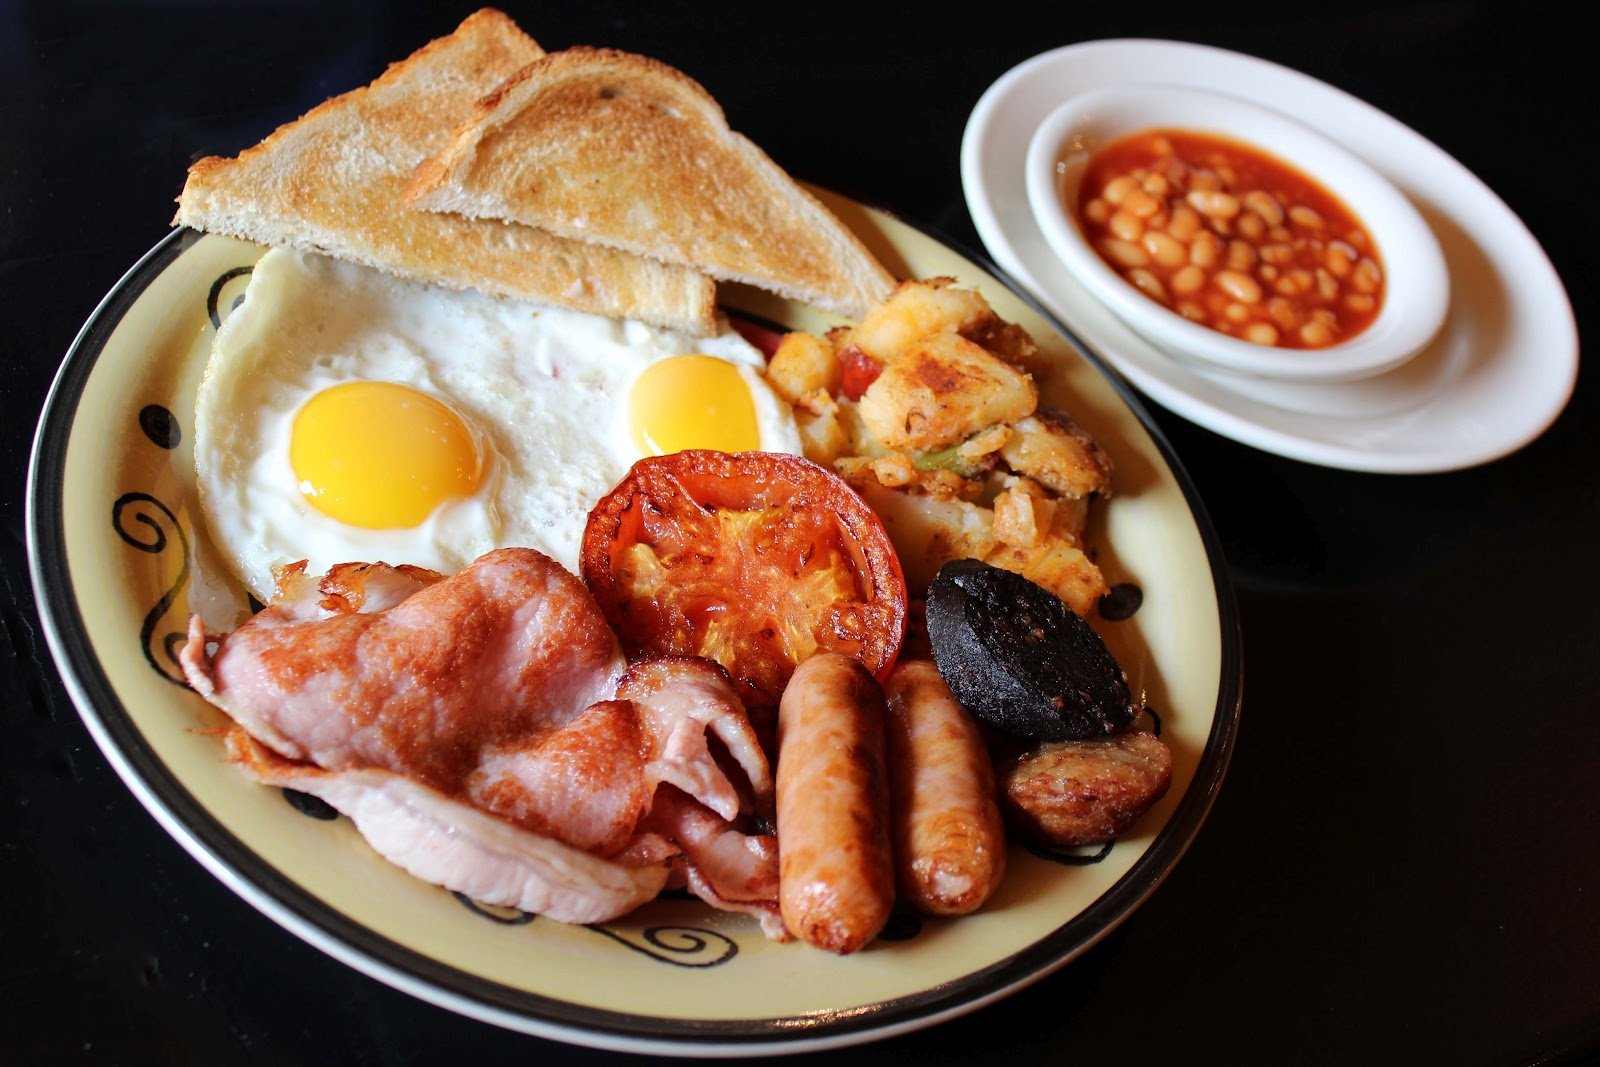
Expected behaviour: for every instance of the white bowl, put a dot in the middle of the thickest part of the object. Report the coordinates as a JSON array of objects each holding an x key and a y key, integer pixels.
[{"x": 1416, "y": 281}]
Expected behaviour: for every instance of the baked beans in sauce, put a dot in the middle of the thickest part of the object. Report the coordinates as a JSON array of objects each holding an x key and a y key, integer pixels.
[{"x": 1230, "y": 237}]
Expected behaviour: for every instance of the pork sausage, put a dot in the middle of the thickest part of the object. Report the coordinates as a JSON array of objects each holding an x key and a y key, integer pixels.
[
  {"x": 1084, "y": 792},
  {"x": 835, "y": 875},
  {"x": 949, "y": 841}
]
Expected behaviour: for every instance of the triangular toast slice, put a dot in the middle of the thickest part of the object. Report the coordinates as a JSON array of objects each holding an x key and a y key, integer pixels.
[
  {"x": 622, "y": 150},
  {"x": 332, "y": 182}
]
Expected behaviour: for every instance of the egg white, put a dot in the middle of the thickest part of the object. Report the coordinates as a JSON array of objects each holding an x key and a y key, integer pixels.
[{"x": 543, "y": 389}]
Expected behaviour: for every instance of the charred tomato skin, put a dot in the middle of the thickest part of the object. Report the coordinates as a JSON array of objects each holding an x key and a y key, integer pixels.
[
  {"x": 687, "y": 507},
  {"x": 1017, "y": 657}
]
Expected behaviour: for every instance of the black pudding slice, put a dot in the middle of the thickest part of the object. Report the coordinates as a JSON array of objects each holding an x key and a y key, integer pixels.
[{"x": 1017, "y": 657}]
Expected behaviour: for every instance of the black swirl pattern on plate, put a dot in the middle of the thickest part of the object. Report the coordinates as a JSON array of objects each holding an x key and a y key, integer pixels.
[
  {"x": 215, "y": 294},
  {"x": 1155, "y": 719},
  {"x": 144, "y": 522},
  {"x": 1071, "y": 857},
  {"x": 161, "y": 426},
  {"x": 308, "y": 805},
  {"x": 494, "y": 912},
  {"x": 681, "y": 946},
  {"x": 692, "y": 946}
]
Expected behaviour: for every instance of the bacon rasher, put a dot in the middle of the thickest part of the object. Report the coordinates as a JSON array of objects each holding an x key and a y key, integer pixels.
[{"x": 473, "y": 729}]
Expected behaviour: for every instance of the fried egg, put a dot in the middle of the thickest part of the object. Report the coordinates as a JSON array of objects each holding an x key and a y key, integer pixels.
[{"x": 347, "y": 415}]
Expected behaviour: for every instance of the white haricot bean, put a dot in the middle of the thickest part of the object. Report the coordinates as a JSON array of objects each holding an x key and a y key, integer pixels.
[
  {"x": 1283, "y": 312},
  {"x": 1165, "y": 250},
  {"x": 1360, "y": 303},
  {"x": 1157, "y": 185},
  {"x": 1215, "y": 205},
  {"x": 1286, "y": 286},
  {"x": 1123, "y": 253},
  {"x": 1303, "y": 280},
  {"x": 1141, "y": 204},
  {"x": 1162, "y": 146},
  {"x": 1126, "y": 226},
  {"x": 1251, "y": 226},
  {"x": 1148, "y": 284},
  {"x": 1268, "y": 272},
  {"x": 1341, "y": 259},
  {"x": 1118, "y": 188},
  {"x": 1277, "y": 255},
  {"x": 1240, "y": 286},
  {"x": 1185, "y": 222},
  {"x": 1280, "y": 234},
  {"x": 1204, "y": 180},
  {"x": 1367, "y": 277},
  {"x": 1192, "y": 311},
  {"x": 1188, "y": 280},
  {"x": 1265, "y": 205},
  {"x": 1241, "y": 255},
  {"x": 1316, "y": 334},
  {"x": 1236, "y": 313},
  {"x": 1261, "y": 333},
  {"x": 1097, "y": 210},
  {"x": 1327, "y": 285},
  {"x": 1301, "y": 215},
  {"x": 1205, "y": 251}
]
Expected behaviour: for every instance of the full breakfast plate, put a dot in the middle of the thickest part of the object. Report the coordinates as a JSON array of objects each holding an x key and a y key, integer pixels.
[
  {"x": 1495, "y": 376},
  {"x": 120, "y": 559}
]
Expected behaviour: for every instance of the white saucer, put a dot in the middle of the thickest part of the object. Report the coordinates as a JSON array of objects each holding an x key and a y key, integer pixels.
[{"x": 1495, "y": 377}]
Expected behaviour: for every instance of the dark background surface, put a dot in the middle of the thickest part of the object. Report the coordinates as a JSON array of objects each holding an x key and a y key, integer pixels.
[{"x": 1404, "y": 863}]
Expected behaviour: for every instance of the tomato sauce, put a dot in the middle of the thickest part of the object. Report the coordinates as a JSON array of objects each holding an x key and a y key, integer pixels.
[{"x": 1231, "y": 237}]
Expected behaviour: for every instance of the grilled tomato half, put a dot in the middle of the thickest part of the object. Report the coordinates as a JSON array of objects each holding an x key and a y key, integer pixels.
[{"x": 756, "y": 560}]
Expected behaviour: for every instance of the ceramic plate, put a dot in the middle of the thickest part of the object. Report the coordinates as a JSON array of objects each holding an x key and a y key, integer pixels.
[
  {"x": 1497, "y": 374},
  {"x": 119, "y": 554}
]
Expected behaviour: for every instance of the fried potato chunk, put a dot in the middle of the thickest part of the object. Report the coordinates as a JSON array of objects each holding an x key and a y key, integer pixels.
[
  {"x": 803, "y": 364},
  {"x": 946, "y": 442},
  {"x": 1051, "y": 448},
  {"x": 942, "y": 390},
  {"x": 915, "y": 310},
  {"x": 821, "y": 436},
  {"x": 927, "y": 531},
  {"x": 930, "y": 528},
  {"x": 1022, "y": 518},
  {"x": 1057, "y": 565},
  {"x": 1008, "y": 341}
]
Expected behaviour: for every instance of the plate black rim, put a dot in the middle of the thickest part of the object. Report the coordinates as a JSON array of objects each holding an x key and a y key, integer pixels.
[{"x": 294, "y": 908}]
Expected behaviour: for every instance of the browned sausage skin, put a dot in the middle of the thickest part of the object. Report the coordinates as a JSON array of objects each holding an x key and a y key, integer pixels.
[
  {"x": 1084, "y": 792},
  {"x": 949, "y": 841},
  {"x": 835, "y": 875}
]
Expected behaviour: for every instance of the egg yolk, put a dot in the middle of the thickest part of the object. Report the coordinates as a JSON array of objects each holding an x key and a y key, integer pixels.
[
  {"x": 692, "y": 401},
  {"x": 381, "y": 455}
]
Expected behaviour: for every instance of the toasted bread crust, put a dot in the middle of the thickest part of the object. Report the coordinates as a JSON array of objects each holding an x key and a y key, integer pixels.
[
  {"x": 625, "y": 151},
  {"x": 332, "y": 181}
]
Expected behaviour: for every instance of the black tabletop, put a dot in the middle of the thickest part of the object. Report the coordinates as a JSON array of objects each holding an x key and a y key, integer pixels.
[{"x": 1404, "y": 862}]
